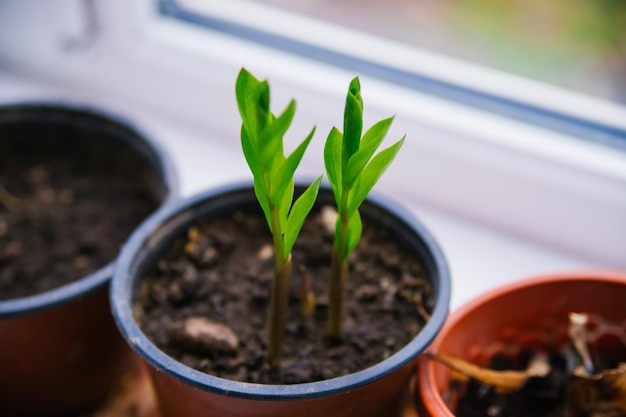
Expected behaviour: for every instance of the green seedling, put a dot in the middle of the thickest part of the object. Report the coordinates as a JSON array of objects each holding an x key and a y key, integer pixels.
[
  {"x": 352, "y": 170},
  {"x": 262, "y": 142}
]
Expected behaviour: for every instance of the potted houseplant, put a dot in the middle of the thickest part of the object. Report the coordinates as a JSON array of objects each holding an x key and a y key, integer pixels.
[
  {"x": 522, "y": 319},
  {"x": 215, "y": 248},
  {"x": 74, "y": 182}
]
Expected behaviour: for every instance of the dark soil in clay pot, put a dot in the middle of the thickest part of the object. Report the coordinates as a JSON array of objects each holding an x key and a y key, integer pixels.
[
  {"x": 539, "y": 397},
  {"x": 558, "y": 393},
  {"x": 63, "y": 215},
  {"x": 217, "y": 279},
  {"x": 510, "y": 324}
]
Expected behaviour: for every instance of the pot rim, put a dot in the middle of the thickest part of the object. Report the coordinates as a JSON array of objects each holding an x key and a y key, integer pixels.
[
  {"x": 123, "y": 284},
  {"x": 427, "y": 389},
  {"x": 101, "y": 277}
]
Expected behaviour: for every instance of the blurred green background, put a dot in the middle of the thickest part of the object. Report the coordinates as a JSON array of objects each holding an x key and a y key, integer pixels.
[{"x": 576, "y": 44}]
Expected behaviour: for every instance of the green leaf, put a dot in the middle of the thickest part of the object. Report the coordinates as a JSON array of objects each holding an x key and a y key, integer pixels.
[
  {"x": 375, "y": 134},
  {"x": 332, "y": 162},
  {"x": 352, "y": 121},
  {"x": 284, "y": 205},
  {"x": 261, "y": 196},
  {"x": 263, "y": 114},
  {"x": 249, "y": 152},
  {"x": 278, "y": 182},
  {"x": 371, "y": 174},
  {"x": 370, "y": 142},
  {"x": 287, "y": 169},
  {"x": 299, "y": 211},
  {"x": 245, "y": 92},
  {"x": 270, "y": 153},
  {"x": 271, "y": 139},
  {"x": 355, "y": 229},
  {"x": 281, "y": 124}
]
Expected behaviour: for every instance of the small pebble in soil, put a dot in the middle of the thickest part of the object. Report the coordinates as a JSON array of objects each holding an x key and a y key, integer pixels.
[
  {"x": 203, "y": 335},
  {"x": 494, "y": 410},
  {"x": 328, "y": 218},
  {"x": 199, "y": 249},
  {"x": 209, "y": 256},
  {"x": 389, "y": 292},
  {"x": 265, "y": 253}
]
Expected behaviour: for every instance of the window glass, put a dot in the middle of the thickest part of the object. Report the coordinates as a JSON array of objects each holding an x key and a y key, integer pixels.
[
  {"x": 576, "y": 44},
  {"x": 579, "y": 45}
]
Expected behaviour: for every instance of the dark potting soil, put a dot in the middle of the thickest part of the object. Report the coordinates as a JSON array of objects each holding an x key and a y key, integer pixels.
[
  {"x": 62, "y": 218},
  {"x": 222, "y": 270}
]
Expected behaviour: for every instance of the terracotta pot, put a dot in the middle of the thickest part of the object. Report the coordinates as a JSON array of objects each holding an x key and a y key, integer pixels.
[
  {"x": 184, "y": 392},
  {"x": 532, "y": 313},
  {"x": 60, "y": 352}
]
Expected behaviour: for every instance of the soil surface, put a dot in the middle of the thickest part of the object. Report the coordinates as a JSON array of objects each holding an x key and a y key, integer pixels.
[
  {"x": 62, "y": 218},
  {"x": 221, "y": 273}
]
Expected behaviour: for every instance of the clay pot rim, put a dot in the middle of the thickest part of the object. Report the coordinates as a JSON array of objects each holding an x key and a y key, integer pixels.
[
  {"x": 100, "y": 278},
  {"x": 426, "y": 370},
  {"x": 123, "y": 284}
]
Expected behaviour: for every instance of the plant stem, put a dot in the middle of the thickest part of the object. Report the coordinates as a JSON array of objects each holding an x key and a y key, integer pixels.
[
  {"x": 338, "y": 275},
  {"x": 280, "y": 293},
  {"x": 278, "y": 313}
]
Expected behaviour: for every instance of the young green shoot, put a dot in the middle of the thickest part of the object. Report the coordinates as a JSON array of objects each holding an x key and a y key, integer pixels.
[
  {"x": 262, "y": 142},
  {"x": 353, "y": 169}
]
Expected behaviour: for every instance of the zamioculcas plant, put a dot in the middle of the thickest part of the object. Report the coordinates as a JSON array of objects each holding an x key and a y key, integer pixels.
[
  {"x": 262, "y": 142},
  {"x": 352, "y": 170}
]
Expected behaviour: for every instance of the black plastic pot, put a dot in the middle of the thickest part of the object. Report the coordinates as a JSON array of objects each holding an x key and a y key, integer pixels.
[
  {"x": 60, "y": 352},
  {"x": 185, "y": 392}
]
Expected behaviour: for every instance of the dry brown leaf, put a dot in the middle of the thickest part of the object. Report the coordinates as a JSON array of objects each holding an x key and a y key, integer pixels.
[{"x": 503, "y": 381}]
